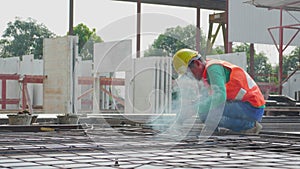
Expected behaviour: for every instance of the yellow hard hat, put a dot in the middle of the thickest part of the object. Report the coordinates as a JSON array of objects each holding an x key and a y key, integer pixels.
[{"x": 182, "y": 59}]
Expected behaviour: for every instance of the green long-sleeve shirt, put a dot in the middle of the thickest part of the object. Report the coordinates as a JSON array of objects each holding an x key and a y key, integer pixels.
[{"x": 217, "y": 77}]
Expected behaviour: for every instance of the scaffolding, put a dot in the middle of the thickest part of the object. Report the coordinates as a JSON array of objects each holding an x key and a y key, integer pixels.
[{"x": 24, "y": 80}]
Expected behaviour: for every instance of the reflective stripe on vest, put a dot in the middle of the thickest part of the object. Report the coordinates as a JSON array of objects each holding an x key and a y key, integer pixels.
[{"x": 240, "y": 85}]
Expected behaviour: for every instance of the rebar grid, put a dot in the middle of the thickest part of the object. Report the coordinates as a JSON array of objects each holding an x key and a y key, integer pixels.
[{"x": 132, "y": 147}]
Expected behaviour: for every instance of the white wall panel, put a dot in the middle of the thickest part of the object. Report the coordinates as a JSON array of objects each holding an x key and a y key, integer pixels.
[
  {"x": 113, "y": 56},
  {"x": 128, "y": 92},
  {"x": 58, "y": 53},
  {"x": 292, "y": 85},
  {"x": 150, "y": 85},
  {"x": 84, "y": 68},
  {"x": 26, "y": 68},
  {"x": 11, "y": 66},
  {"x": 38, "y": 88},
  {"x": 239, "y": 58},
  {"x": 250, "y": 24}
]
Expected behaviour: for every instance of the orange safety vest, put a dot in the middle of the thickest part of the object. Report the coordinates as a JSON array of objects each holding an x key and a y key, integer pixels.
[{"x": 240, "y": 85}]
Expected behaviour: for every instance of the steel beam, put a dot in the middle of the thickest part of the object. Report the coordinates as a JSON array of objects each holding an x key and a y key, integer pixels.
[
  {"x": 198, "y": 30},
  {"x": 252, "y": 51},
  {"x": 71, "y": 17},
  {"x": 203, "y": 4},
  {"x": 138, "y": 29}
]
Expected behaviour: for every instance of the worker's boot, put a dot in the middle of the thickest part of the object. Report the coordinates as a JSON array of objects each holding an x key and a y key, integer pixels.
[{"x": 255, "y": 130}]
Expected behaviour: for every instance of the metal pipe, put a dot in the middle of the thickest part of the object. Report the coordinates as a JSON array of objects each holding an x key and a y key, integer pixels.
[
  {"x": 227, "y": 45},
  {"x": 71, "y": 17},
  {"x": 170, "y": 85},
  {"x": 138, "y": 35},
  {"x": 252, "y": 73},
  {"x": 73, "y": 75},
  {"x": 209, "y": 36},
  {"x": 155, "y": 88},
  {"x": 198, "y": 32},
  {"x": 280, "y": 52},
  {"x": 165, "y": 96},
  {"x": 24, "y": 101},
  {"x": 160, "y": 87},
  {"x": 3, "y": 94}
]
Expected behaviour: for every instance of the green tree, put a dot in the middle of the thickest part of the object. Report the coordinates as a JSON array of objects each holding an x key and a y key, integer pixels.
[
  {"x": 174, "y": 39},
  {"x": 217, "y": 50},
  {"x": 242, "y": 48},
  {"x": 23, "y": 37},
  {"x": 86, "y": 37},
  {"x": 291, "y": 62},
  {"x": 262, "y": 68},
  {"x": 151, "y": 51}
]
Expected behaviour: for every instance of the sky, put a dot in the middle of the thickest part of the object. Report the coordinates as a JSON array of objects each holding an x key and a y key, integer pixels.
[
  {"x": 98, "y": 14},
  {"x": 112, "y": 20}
]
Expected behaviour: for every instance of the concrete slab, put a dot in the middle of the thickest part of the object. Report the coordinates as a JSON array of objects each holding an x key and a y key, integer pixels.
[{"x": 80, "y": 149}]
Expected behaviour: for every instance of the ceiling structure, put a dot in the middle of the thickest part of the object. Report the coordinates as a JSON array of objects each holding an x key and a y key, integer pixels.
[
  {"x": 290, "y": 5},
  {"x": 203, "y": 4},
  {"x": 282, "y": 5}
]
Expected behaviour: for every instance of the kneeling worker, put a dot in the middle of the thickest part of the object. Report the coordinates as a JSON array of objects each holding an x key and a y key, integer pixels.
[{"x": 242, "y": 99}]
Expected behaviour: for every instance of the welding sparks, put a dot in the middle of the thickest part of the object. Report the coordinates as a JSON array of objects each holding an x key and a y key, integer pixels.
[{"x": 188, "y": 95}]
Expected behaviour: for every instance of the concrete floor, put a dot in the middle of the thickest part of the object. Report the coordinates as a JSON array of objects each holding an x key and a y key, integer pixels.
[{"x": 97, "y": 146}]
